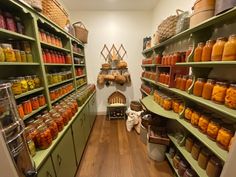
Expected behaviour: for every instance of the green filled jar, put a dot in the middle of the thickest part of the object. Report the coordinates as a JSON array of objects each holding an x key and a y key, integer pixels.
[
  {"x": 16, "y": 86},
  {"x": 29, "y": 57},
  {"x": 24, "y": 85},
  {"x": 54, "y": 79},
  {"x": 37, "y": 81},
  {"x": 23, "y": 56}
]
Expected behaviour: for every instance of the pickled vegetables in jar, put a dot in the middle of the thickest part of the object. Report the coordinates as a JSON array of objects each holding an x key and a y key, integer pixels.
[
  {"x": 203, "y": 123},
  {"x": 207, "y": 89},
  {"x": 24, "y": 85},
  {"x": 44, "y": 137},
  {"x": 16, "y": 86},
  {"x": 59, "y": 121},
  {"x": 52, "y": 125},
  {"x": 224, "y": 136},
  {"x": 188, "y": 114},
  {"x": 230, "y": 99},
  {"x": 218, "y": 49},
  {"x": 198, "y": 87},
  {"x": 219, "y": 92},
  {"x": 30, "y": 82},
  {"x": 213, "y": 128},
  {"x": 195, "y": 118},
  {"x": 229, "y": 53},
  {"x": 198, "y": 52},
  {"x": 34, "y": 103},
  {"x": 207, "y": 50},
  {"x": 37, "y": 81}
]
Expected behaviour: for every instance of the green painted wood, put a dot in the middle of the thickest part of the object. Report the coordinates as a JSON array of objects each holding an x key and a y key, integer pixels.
[
  {"x": 59, "y": 83},
  {"x": 18, "y": 63},
  {"x": 170, "y": 160},
  {"x": 63, "y": 157},
  {"x": 144, "y": 92},
  {"x": 63, "y": 96},
  {"x": 148, "y": 65},
  {"x": 87, "y": 127},
  {"x": 79, "y": 65},
  {"x": 29, "y": 93},
  {"x": 92, "y": 110},
  {"x": 6, "y": 34},
  {"x": 188, "y": 157},
  {"x": 79, "y": 86},
  {"x": 47, "y": 169},
  {"x": 78, "y": 77},
  {"x": 152, "y": 106},
  {"x": 78, "y": 54},
  {"x": 79, "y": 137},
  {"x": 56, "y": 64},
  {"x": 222, "y": 154},
  {"x": 34, "y": 112},
  {"x": 209, "y": 64},
  {"x": 50, "y": 46}
]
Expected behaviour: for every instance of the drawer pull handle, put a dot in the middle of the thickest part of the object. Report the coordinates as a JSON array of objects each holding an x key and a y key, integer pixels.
[
  {"x": 59, "y": 159},
  {"x": 49, "y": 174}
]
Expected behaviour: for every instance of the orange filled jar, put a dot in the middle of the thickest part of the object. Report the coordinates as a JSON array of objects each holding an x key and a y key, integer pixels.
[
  {"x": 207, "y": 50},
  {"x": 229, "y": 53},
  {"x": 167, "y": 104},
  {"x": 203, "y": 123},
  {"x": 181, "y": 108},
  {"x": 198, "y": 52},
  {"x": 59, "y": 121},
  {"x": 178, "y": 79},
  {"x": 198, "y": 87},
  {"x": 44, "y": 137},
  {"x": 188, "y": 114},
  {"x": 195, "y": 118},
  {"x": 230, "y": 99},
  {"x": 189, "y": 83},
  {"x": 219, "y": 92},
  {"x": 183, "y": 83},
  {"x": 208, "y": 88},
  {"x": 175, "y": 106},
  {"x": 213, "y": 128},
  {"x": 218, "y": 49},
  {"x": 224, "y": 136}
]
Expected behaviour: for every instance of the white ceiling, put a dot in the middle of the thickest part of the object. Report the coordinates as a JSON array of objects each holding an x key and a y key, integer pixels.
[{"x": 109, "y": 4}]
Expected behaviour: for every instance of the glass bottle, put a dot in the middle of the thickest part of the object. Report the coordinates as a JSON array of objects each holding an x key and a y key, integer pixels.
[
  {"x": 198, "y": 87},
  {"x": 198, "y": 52},
  {"x": 207, "y": 50},
  {"x": 229, "y": 53},
  {"x": 218, "y": 49},
  {"x": 208, "y": 88}
]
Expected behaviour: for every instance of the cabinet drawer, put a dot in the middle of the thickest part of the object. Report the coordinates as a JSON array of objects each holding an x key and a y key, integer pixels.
[
  {"x": 47, "y": 169},
  {"x": 63, "y": 157}
]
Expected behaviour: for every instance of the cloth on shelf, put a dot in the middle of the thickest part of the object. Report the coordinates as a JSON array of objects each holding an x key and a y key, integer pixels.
[{"x": 134, "y": 118}]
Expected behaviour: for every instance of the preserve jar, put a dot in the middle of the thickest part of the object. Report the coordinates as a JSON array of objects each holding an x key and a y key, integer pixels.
[
  {"x": 36, "y": 81},
  {"x": 29, "y": 57},
  {"x": 59, "y": 121},
  {"x": 219, "y": 92},
  {"x": 52, "y": 125},
  {"x": 213, "y": 128},
  {"x": 224, "y": 136},
  {"x": 69, "y": 111},
  {"x": 203, "y": 158},
  {"x": 27, "y": 107},
  {"x": 31, "y": 146},
  {"x": 24, "y": 85},
  {"x": 176, "y": 161},
  {"x": 48, "y": 37},
  {"x": 214, "y": 167},
  {"x": 218, "y": 49},
  {"x": 189, "y": 83},
  {"x": 2, "y": 20},
  {"x": 9, "y": 53},
  {"x": 34, "y": 103},
  {"x": 43, "y": 35},
  {"x": 31, "y": 132},
  {"x": 183, "y": 166},
  {"x": 17, "y": 55},
  {"x": 172, "y": 152},
  {"x": 10, "y": 22},
  {"x": 181, "y": 108},
  {"x": 207, "y": 50},
  {"x": 229, "y": 53},
  {"x": 16, "y": 86},
  {"x": 178, "y": 79},
  {"x": 2, "y": 55},
  {"x": 190, "y": 173},
  {"x": 44, "y": 137},
  {"x": 30, "y": 82},
  {"x": 38, "y": 122},
  {"x": 230, "y": 99},
  {"x": 175, "y": 106},
  {"x": 196, "y": 150},
  {"x": 64, "y": 115},
  {"x": 203, "y": 123},
  {"x": 208, "y": 88},
  {"x": 19, "y": 25},
  {"x": 167, "y": 104},
  {"x": 20, "y": 111},
  {"x": 198, "y": 87},
  {"x": 189, "y": 144},
  {"x": 195, "y": 118},
  {"x": 42, "y": 100},
  {"x": 23, "y": 56},
  {"x": 183, "y": 83},
  {"x": 198, "y": 52},
  {"x": 188, "y": 114}
]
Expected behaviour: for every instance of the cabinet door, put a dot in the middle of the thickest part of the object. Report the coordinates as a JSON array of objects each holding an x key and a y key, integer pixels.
[
  {"x": 78, "y": 136},
  {"x": 92, "y": 110},
  {"x": 87, "y": 127},
  {"x": 47, "y": 169},
  {"x": 63, "y": 157}
]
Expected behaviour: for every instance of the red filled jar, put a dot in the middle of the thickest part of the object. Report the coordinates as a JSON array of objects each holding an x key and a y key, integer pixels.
[
  {"x": 2, "y": 20},
  {"x": 10, "y": 22},
  {"x": 44, "y": 57},
  {"x": 53, "y": 58},
  {"x": 183, "y": 83},
  {"x": 42, "y": 100},
  {"x": 69, "y": 111},
  {"x": 35, "y": 103},
  {"x": 43, "y": 35},
  {"x": 44, "y": 137},
  {"x": 176, "y": 58},
  {"x": 178, "y": 79},
  {"x": 68, "y": 59},
  {"x": 158, "y": 59},
  {"x": 167, "y": 79},
  {"x": 59, "y": 121},
  {"x": 64, "y": 115},
  {"x": 48, "y": 56},
  {"x": 52, "y": 125}
]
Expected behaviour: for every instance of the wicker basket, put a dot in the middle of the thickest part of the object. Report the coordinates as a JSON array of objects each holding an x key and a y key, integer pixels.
[
  {"x": 81, "y": 32},
  {"x": 55, "y": 12},
  {"x": 136, "y": 106},
  {"x": 117, "y": 98}
]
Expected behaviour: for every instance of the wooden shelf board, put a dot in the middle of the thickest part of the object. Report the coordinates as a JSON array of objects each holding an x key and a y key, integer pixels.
[
  {"x": 56, "y": 64},
  {"x": 79, "y": 64},
  {"x": 171, "y": 163},
  {"x": 152, "y": 106},
  {"x": 78, "y": 77},
  {"x": 144, "y": 92},
  {"x": 222, "y": 154},
  {"x": 189, "y": 158},
  {"x": 18, "y": 63},
  {"x": 6, "y": 34},
  {"x": 209, "y": 64},
  {"x": 79, "y": 86},
  {"x": 29, "y": 93},
  {"x": 78, "y": 54},
  {"x": 34, "y": 112},
  {"x": 148, "y": 80},
  {"x": 44, "y": 44},
  {"x": 56, "y": 100},
  {"x": 149, "y": 65},
  {"x": 59, "y": 83}
]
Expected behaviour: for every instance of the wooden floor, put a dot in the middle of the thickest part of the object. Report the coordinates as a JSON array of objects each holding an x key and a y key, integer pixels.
[{"x": 113, "y": 152}]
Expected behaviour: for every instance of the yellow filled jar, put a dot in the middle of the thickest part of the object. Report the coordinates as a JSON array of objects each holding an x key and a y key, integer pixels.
[
  {"x": 203, "y": 123},
  {"x": 167, "y": 104},
  {"x": 16, "y": 87},
  {"x": 23, "y": 56},
  {"x": 30, "y": 82},
  {"x": 37, "y": 81},
  {"x": 2, "y": 55},
  {"x": 188, "y": 114},
  {"x": 18, "y": 56},
  {"x": 195, "y": 118},
  {"x": 181, "y": 108},
  {"x": 24, "y": 85},
  {"x": 229, "y": 53},
  {"x": 219, "y": 92},
  {"x": 9, "y": 53},
  {"x": 230, "y": 99},
  {"x": 218, "y": 49},
  {"x": 175, "y": 106}
]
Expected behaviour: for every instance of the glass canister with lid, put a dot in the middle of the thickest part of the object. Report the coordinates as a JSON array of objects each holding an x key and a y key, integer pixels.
[
  {"x": 214, "y": 167},
  {"x": 183, "y": 83},
  {"x": 230, "y": 98},
  {"x": 34, "y": 103},
  {"x": 189, "y": 83},
  {"x": 44, "y": 137},
  {"x": 203, "y": 158},
  {"x": 37, "y": 81},
  {"x": 198, "y": 52},
  {"x": 52, "y": 125},
  {"x": 208, "y": 88},
  {"x": 207, "y": 50},
  {"x": 59, "y": 121},
  {"x": 224, "y": 136},
  {"x": 219, "y": 92},
  {"x": 229, "y": 53},
  {"x": 30, "y": 140},
  {"x": 24, "y": 85},
  {"x": 218, "y": 49},
  {"x": 64, "y": 115},
  {"x": 167, "y": 104},
  {"x": 198, "y": 87}
]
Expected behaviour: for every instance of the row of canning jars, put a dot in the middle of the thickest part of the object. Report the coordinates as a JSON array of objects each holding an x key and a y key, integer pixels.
[
  {"x": 58, "y": 77},
  {"x": 52, "y": 56},
  {"x": 58, "y": 92},
  {"x": 41, "y": 131},
  {"x": 222, "y": 50},
  {"x": 150, "y": 75},
  {"x": 50, "y": 38}
]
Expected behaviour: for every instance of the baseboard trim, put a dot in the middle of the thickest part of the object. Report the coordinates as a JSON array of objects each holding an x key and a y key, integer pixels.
[{"x": 101, "y": 113}]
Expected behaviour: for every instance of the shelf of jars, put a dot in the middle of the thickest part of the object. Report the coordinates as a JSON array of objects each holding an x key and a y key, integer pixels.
[
  {"x": 34, "y": 112},
  {"x": 148, "y": 65},
  {"x": 78, "y": 54},
  {"x": 208, "y": 64},
  {"x": 148, "y": 80},
  {"x": 29, "y": 93},
  {"x": 171, "y": 163},
  {"x": 50, "y": 46},
  {"x": 7, "y": 34},
  {"x": 18, "y": 63},
  {"x": 61, "y": 97},
  {"x": 56, "y": 64},
  {"x": 78, "y": 77},
  {"x": 81, "y": 85},
  {"x": 60, "y": 83}
]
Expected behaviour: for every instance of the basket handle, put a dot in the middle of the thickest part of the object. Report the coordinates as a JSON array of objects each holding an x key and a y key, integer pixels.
[
  {"x": 179, "y": 11},
  {"x": 80, "y": 24}
]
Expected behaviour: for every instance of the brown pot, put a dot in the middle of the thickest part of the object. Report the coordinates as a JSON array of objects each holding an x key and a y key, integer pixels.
[
  {"x": 199, "y": 17},
  {"x": 201, "y": 5}
]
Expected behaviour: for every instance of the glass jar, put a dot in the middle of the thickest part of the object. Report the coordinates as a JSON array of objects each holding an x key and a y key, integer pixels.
[
  {"x": 213, "y": 128},
  {"x": 24, "y": 85},
  {"x": 175, "y": 106},
  {"x": 208, "y": 88},
  {"x": 198, "y": 87},
  {"x": 31, "y": 132},
  {"x": 172, "y": 152},
  {"x": 30, "y": 139},
  {"x": 30, "y": 82},
  {"x": 229, "y": 53},
  {"x": 64, "y": 115},
  {"x": 196, "y": 150},
  {"x": 195, "y": 118},
  {"x": 10, "y": 22},
  {"x": 36, "y": 81},
  {"x": 181, "y": 108},
  {"x": 198, "y": 52},
  {"x": 20, "y": 111},
  {"x": 29, "y": 57},
  {"x": 167, "y": 104},
  {"x": 176, "y": 161},
  {"x": 178, "y": 81},
  {"x": 203, "y": 158},
  {"x": 34, "y": 103},
  {"x": 59, "y": 121},
  {"x": 2, "y": 20},
  {"x": 9, "y": 53},
  {"x": 189, "y": 83},
  {"x": 189, "y": 144},
  {"x": 19, "y": 25},
  {"x": 203, "y": 123},
  {"x": 16, "y": 86},
  {"x": 230, "y": 99},
  {"x": 224, "y": 136},
  {"x": 42, "y": 100},
  {"x": 188, "y": 114},
  {"x": 44, "y": 137},
  {"x": 27, "y": 107},
  {"x": 183, "y": 166},
  {"x": 49, "y": 41},
  {"x": 31, "y": 146},
  {"x": 214, "y": 167},
  {"x": 190, "y": 173},
  {"x": 219, "y": 92},
  {"x": 17, "y": 55},
  {"x": 43, "y": 35},
  {"x": 48, "y": 56},
  {"x": 2, "y": 55},
  {"x": 23, "y": 56},
  {"x": 52, "y": 95},
  {"x": 69, "y": 111},
  {"x": 52, "y": 125},
  {"x": 207, "y": 50},
  {"x": 183, "y": 83},
  {"x": 218, "y": 49}
]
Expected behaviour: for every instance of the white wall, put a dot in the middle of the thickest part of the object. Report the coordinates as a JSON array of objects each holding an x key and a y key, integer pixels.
[{"x": 118, "y": 27}]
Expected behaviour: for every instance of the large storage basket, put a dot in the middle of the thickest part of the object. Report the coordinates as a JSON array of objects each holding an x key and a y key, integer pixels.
[
  {"x": 81, "y": 32},
  {"x": 55, "y": 12}
]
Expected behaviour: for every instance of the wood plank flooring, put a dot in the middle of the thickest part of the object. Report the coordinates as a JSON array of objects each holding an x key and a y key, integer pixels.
[{"x": 113, "y": 152}]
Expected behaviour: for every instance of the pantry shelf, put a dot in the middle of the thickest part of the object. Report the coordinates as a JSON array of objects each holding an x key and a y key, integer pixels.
[
  {"x": 6, "y": 34},
  {"x": 56, "y": 64},
  {"x": 148, "y": 80},
  {"x": 34, "y": 112},
  {"x": 29, "y": 93},
  {"x": 79, "y": 65},
  {"x": 84, "y": 75},
  {"x": 222, "y": 154},
  {"x": 148, "y": 65},
  {"x": 59, "y": 83},
  {"x": 171, "y": 163},
  {"x": 78, "y": 54},
  {"x": 189, "y": 158},
  {"x": 152, "y": 106},
  {"x": 50, "y": 46},
  {"x": 209, "y": 64},
  {"x": 144, "y": 92},
  {"x": 18, "y": 63},
  {"x": 79, "y": 86},
  {"x": 56, "y": 100}
]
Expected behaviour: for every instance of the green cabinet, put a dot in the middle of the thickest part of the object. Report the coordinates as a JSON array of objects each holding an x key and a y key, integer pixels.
[
  {"x": 92, "y": 110},
  {"x": 47, "y": 169},
  {"x": 78, "y": 136},
  {"x": 86, "y": 127},
  {"x": 63, "y": 157}
]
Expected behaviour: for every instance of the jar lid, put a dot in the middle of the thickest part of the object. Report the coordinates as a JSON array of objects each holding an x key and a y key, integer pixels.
[
  {"x": 201, "y": 79},
  {"x": 233, "y": 85},
  {"x": 211, "y": 80},
  {"x": 42, "y": 127},
  {"x": 205, "y": 152},
  {"x": 201, "y": 43},
  {"x": 22, "y": 52},
  {"x": 183, "y": 164},
  {"x": 228, "y": 128},
  {"x": 211, "y": 41},
  {"x": 232, "y": 35},
  {"x": 222, "y": 83},
  {"x": 197, "y": 144},
  {"x": 222, "y": 38},
  {"x": 216, "y": 161},
  {"x": 190, "y": 173},
  {"x": 189, "y": 138}
]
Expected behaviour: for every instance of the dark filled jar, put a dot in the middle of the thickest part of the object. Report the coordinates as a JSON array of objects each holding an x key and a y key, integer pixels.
[
  {"x": 214, "y": 167},
  {"x": 2, "y": 20},
  {"x": 190, "y": 173},
  {"x": 196, "y": 150},
  {"x": 10, "y": 22},
  {"x": 183, "y": 166},
  {"x": 203, "y": 158}
]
